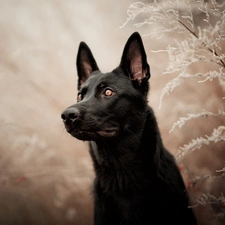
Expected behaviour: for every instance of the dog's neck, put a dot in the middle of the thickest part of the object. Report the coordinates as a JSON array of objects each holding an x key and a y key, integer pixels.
[
  {"x": 113, "y": 153},
  {"x": 129, "y": 156}
]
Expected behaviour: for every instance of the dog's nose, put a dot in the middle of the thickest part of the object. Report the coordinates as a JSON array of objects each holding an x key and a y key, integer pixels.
[{"x": 70, "y": 115}]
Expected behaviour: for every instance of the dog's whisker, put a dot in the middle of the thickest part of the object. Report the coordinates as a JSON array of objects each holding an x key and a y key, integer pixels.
[{"x": 134, "y": 135}]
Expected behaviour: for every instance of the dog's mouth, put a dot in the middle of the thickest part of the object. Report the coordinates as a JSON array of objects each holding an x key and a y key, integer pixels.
[
  {"x": 93, "y": 134},
  {"x": 107, "y": 133}
]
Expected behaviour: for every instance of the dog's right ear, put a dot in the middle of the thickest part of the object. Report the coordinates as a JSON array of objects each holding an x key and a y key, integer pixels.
[
  {"x": 134, "y": 62},
  {"x": 86, "y": 64}
]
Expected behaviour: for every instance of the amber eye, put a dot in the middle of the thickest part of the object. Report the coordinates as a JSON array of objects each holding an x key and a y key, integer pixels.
[
  {"x": 108, "y": 92},
  {"x": 79, "y": 97}
]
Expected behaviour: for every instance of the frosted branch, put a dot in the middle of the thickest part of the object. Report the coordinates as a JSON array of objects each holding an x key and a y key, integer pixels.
[
  {"x": 134, "y": 10},
  {"x": 217, "y": 136},
  {"x": 204, "y": 177},
  {"x": 206, "y": 199},
  {"x": 173, "y": 84},
  {"x": 210, "y": 75},
  {"x": 221, "y": 170},
  {"x": 190, "y": 116}
]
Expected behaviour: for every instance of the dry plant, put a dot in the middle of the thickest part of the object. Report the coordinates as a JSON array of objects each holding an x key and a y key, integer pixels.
[{"x": 198, "y": 32}]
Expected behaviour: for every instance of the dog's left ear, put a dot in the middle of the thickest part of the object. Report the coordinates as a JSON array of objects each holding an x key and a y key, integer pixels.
[{"x": 134, "y": 62}]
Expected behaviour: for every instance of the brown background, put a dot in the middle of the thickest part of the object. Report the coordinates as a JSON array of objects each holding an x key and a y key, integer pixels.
[{"x": 46, "y": 175}]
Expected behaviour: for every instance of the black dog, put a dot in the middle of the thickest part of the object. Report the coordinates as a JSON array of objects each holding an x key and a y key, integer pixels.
[{"x": 137, "y": 180}]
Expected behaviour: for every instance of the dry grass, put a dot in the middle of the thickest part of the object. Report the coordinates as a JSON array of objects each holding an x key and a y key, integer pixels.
[{"x": 45, "y": 175}]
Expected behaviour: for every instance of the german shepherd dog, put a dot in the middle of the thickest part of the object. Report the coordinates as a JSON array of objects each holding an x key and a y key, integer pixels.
[{"x": 137, "y": 180}]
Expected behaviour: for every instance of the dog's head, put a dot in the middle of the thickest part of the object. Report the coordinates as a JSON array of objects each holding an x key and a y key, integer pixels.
[{"x": 109, "y": 104}]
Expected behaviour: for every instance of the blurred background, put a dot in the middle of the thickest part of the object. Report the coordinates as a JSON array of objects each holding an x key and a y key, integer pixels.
[{"x": 45, "y": 174}]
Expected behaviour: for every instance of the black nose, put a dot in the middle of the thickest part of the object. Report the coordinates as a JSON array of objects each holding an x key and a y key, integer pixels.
[{"x": 70, "y": 115}]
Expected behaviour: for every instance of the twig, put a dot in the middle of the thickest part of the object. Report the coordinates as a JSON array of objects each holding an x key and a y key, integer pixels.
[{"x": 209, "y": 49}]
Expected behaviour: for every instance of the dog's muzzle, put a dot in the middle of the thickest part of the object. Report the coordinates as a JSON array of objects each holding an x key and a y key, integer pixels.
[{"x": 85, "y": 129}]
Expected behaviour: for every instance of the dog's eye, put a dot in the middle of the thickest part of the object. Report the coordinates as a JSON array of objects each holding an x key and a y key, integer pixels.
[
  {"x": 108, "y": 92},
  {"x": 79, "y": 97}
]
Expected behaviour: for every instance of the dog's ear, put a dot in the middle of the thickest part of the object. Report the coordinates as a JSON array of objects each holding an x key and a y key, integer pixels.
[
  {"x": 134, "y": 61},
  {"x": 86, "y": 63}
]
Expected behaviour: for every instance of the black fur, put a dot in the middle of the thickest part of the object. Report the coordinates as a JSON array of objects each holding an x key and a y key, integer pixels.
[{"x": 137, "y": 181}]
